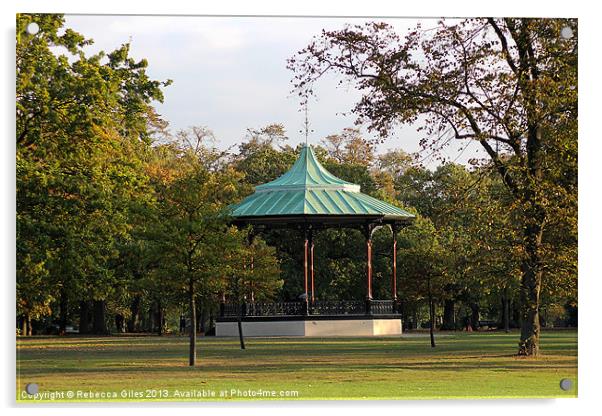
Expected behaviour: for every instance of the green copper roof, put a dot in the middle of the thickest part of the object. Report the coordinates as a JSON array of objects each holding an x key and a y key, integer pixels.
[
  {"x": 307, "y": 173},
  {"x": 309, "y": 189}
]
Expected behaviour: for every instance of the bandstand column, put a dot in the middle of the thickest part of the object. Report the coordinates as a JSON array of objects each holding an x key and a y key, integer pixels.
[
  {"x": 369, "y": 266},
  {"x": 394, "y": 276},
  {"x": 368, "y": 235},
  {"x": 311, "y": 264},
  {"x": 305, "y": 263}
]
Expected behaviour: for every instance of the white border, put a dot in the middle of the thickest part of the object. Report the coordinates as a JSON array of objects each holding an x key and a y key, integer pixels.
[{"x": 590, "y": 183}]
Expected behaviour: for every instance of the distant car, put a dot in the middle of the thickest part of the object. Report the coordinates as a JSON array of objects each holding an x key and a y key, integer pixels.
[
  {"x": 488, "y": 324},
  {"x": 53, "y": 329},
  {"x": 69, "y": 329}
]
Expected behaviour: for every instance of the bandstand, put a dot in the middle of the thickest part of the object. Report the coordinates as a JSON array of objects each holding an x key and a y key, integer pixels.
[{"x": 308, "y": 198}]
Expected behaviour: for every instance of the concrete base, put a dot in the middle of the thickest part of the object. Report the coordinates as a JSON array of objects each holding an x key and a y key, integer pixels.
[{"x": 309, "y": 327}]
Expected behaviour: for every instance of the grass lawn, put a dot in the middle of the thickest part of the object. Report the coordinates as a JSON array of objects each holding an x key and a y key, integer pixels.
[{"x": 464, "y": 365}]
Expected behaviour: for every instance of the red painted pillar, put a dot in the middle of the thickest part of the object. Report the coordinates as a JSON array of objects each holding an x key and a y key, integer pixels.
[
  {"x": 305, "y": 261},
  {"x": 305, "y": 270},
  {"x": 394, "y": 277},
  {"x": 369, "y": 266},
  {"x": 311, "y": 264},
  {"x": 305, "y": 255}
]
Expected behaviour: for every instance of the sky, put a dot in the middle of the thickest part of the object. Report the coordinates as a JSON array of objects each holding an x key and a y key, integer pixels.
[{"x": 229, "y": 73}]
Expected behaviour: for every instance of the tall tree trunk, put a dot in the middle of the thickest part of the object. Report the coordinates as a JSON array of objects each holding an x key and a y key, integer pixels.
[
  {"x": 475, "y": 316},
  {"x": 25, "y": 325},
  {"x": 119, "y": 323},
  {"x": 100, "y": 324},
  {"x": 192, "y": 352},
  {"x": 199, "y": 313},
  {"x": 159, "y": 318},
  {"x": 84, "y": 317},
  {"x": 240, "y": 334},
  {"x": 449, "y": 316},
  {"x": 431, "y": 315},
  {"x": 530, "y": 288},
  {"x": 21, "y": 325},
  {"x": 211, "y": 320},
  {"x": 530, "y": 285},
  {"x": 202, "y": 319},
  {"x": 133, "y": 324},
  {"x": 151, "y": 319},
  {"x": 530, "y": 325},
  {"x": 506, "y": 313},
  {"x": 64, "y": 311},
  {"x": 182, "y": 324},
  {"x": 515, "y": 313}
]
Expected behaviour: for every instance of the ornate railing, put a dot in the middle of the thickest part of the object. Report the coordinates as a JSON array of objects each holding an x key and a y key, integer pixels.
[
  {"x": 275, "y": 309},
  {"x": 341, "y": 307},
  {"x": 263, "y": 309},
  {"x": 300, "y": 308},
  {"x": 382, "y": 307}
]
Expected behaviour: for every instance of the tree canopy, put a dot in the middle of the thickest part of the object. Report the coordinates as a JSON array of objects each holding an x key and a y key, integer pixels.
[{"x": 509, "y": 85}]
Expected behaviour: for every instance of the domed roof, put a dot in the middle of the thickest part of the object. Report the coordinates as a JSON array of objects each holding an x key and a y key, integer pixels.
[{"x": 308, "y": 189}]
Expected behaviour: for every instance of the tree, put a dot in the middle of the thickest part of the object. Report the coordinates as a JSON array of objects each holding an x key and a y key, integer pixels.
[
  {"x": 82, "y": 125},
  {"x": 349, "y": 147},
  {"x": 199, "y": 141},
  {"x": 259, "y": 158},
  {"x": 394, "y": 162},
  {"x": 509, "y": 85},
  {"x": 190, "y": 226},
  {"x": 387, "y": 170},
  {"x": 474, "y": 209},
  {"x": 272, "y": 135}
]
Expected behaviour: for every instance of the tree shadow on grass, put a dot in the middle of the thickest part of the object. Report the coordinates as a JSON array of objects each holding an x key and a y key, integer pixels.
[{"x": 301, "y": 367}]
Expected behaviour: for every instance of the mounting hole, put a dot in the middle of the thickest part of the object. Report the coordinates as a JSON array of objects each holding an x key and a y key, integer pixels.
[
  {"x": 566, "y": 32},
  {"x": 33, "y": 28},
  {"x": 566, "y": 384},
  {"x": 32, "y": 389}
]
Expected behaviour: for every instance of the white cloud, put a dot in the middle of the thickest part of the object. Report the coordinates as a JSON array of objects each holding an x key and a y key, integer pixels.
[{"x": 230, "y": 73}]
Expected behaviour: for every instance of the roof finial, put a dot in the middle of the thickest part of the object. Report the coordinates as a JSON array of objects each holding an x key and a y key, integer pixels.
[{"x": 306, "y": 125}]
